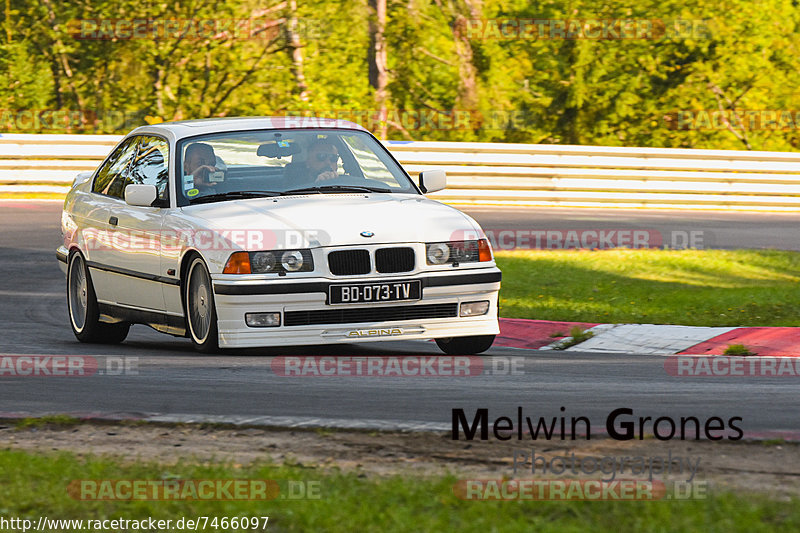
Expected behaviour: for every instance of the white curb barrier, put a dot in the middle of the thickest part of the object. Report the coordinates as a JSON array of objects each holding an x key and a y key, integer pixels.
[
  {"x": 646, "y": 339},
  {"x": 501, "y": 174}
]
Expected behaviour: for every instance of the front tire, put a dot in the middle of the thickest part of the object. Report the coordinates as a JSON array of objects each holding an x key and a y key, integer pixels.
[
  {"x": 465, "y": 345},
  {"x": 84, "y": 316},
  {"x": 201, "y": 313}
]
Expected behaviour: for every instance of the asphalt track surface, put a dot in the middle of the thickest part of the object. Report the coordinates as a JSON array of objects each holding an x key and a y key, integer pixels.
[{"x": 173, "y": 381}]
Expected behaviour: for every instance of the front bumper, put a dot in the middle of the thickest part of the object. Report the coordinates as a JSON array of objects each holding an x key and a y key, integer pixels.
[{"x": 441, "y": 294}]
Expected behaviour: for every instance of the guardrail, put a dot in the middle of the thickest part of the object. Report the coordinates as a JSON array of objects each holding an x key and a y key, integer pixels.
[{"x": 495, "y": 173}]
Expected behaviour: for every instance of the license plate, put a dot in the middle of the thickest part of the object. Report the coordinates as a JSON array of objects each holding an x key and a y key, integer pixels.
[{"x": 359, "y": 293}]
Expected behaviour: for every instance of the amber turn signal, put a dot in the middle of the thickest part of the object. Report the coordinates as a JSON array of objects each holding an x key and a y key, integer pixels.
[
  {"x": 484, "y": 250},
  {"x": 238, "y": 263}
]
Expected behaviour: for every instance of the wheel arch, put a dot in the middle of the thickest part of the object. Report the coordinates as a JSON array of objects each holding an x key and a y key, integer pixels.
[
  {"x": 74, "y": 248},
  {"x": 186, "y": 261},
  {"x": 183, "y": 270}
]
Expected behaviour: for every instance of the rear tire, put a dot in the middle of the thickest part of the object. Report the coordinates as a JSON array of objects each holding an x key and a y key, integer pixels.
[
  {"x": 465, "y": 345},
  {"x": 201, "y": 312},
  {"x": 84, "y": 317}
]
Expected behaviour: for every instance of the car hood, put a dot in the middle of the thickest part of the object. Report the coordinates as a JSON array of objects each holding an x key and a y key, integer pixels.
[{"x": 338, "y": 219}]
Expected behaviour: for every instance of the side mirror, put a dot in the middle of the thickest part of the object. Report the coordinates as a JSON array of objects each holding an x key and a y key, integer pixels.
[
  {"x": 432, "y": 180},
  {"x": 140, "y": 195}
]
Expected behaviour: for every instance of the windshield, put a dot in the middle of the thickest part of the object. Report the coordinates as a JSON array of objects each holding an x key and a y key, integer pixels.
[{"x": 250, "y": 164}]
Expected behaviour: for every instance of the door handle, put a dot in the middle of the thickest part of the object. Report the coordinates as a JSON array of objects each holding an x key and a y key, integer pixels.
[{"x": 113, "y": 221}]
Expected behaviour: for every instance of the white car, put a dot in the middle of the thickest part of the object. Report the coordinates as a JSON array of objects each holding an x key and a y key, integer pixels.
[{"x": 248, "y": 232}]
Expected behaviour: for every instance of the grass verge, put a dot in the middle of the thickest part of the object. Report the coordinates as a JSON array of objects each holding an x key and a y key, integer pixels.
[
  {"x": 690, "y": 287},
  {"x": 35, "y": 485}
]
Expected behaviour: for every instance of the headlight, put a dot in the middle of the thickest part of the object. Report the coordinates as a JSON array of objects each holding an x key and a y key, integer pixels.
[
  {"x": 268, "y": 262},
  {"x": 438, "y": 253},
  {"x": 292, "y": 261},
  {"x": 457, "y": 252},
  {"x": 262, "y": 261}
]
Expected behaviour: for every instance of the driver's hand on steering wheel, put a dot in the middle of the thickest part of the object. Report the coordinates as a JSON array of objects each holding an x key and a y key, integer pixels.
[{"x": 327, "y": 176}]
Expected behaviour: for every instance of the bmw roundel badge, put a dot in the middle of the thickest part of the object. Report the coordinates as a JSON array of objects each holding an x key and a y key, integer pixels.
[{"x": 367, "y": 234}]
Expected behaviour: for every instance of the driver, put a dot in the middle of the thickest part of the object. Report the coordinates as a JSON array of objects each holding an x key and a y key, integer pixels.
[
  {"x": 321, "y": 165},
  {"x": 199, "y": 163}
]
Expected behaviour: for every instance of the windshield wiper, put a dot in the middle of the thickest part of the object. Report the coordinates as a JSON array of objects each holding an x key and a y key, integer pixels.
[
  {"x": 234, "y": 194},
  {"x": 337, "y": 188}
]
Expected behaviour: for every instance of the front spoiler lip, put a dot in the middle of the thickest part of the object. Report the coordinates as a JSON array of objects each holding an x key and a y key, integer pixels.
[{"x": 316, "y": 335}]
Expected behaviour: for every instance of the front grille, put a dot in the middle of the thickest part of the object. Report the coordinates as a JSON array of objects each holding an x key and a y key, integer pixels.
[
  {"x": 369, "y": 314},
  {"x": 349, "y": 262},
  {"x": 394, "y": 260}
]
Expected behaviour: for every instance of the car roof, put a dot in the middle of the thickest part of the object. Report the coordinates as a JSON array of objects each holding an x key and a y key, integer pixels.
[{"x": 189, "y": 128}]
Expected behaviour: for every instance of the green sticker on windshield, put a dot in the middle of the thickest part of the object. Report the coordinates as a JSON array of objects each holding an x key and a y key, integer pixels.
[{"x": 192, "y": 192}]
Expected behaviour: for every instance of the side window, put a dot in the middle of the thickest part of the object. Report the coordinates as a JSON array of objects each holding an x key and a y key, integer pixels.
[
  {"x": 150, "y": 166},
  {"x": 109, "y": 179}
]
